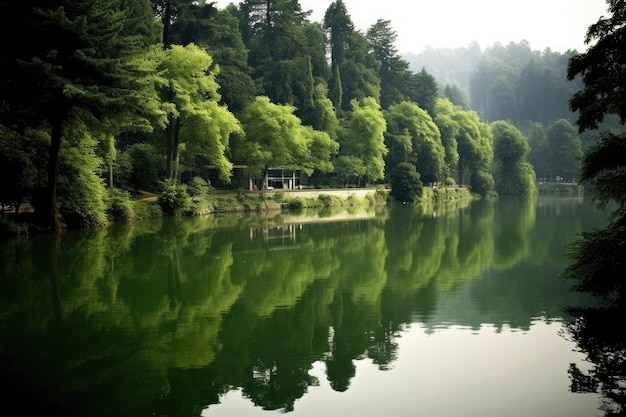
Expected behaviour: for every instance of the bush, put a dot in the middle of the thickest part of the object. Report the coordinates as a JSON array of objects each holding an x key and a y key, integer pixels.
[
  {"x": 198, "y": 187},
  {"x": 295, "y": 204},
  {"x": 175, "y": 200},
  {"x": 119, "y": 206},
  {"x": 147, "y": 210}
]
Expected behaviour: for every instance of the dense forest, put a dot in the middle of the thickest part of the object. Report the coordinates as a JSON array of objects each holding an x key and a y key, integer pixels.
[{"x": 98, "y": 97}]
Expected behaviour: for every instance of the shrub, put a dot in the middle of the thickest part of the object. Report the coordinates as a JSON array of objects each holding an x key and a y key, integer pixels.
[
  {"x": 119, "y": 206},
  {"x": 174, "y": 199},
  {"x": 198, "y": 187}
]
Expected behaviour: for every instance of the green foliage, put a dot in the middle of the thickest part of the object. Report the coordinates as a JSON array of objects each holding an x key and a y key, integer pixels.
[
  {"x": 423, "y": 90},
  {"x": 513, "y": 175},
  {"x": 393, "y": 71},
  {"x": 406, "y": 185},
  {"x": 566, "y": 149},
  {"x": 82, "y": 193},
  {"x": 22, "y": 165},
  {"x": 119, "y": 206},
  {"x": 175, "y": 200},
  {"x": 147, "y": 167},
  {"x": 425, "y": 149},
  {"x": 198, "y": 187},
  {"x": 601, "y": 68},
  {"x": 603, "y": 165},
  {"x": 363, "y": 137},
  {"x": 274, "y": 137}
]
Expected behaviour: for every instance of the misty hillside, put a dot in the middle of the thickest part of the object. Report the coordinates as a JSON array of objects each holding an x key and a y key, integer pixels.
[{"x": 511, "y": 82}]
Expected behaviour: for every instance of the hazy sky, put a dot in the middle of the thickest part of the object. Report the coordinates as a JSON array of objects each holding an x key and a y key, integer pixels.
[{"x": 558, "y": 24}]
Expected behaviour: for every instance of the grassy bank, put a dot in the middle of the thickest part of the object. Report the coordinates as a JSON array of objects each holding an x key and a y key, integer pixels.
[{"x": 122, "y": 207}]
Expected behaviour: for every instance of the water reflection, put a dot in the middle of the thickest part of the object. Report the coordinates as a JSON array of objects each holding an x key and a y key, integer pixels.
[{"x": 166, "y": 317}]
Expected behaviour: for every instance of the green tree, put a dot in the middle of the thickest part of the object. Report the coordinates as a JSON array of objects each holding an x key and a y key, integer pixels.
[
  {"x": 423, "y": 90},
  {"x": 539, "y": 155},
  {"x": 453, "y": 93},
  {"x": 513, "y": 174},
  {"x": 358, "y": 72},
  {"x": 274, "y": 33},
  {"x": 274, "y": 137},
  {"x": 565, "y": 149},
  {"x": 22, "y": 165},
  {"x": 363, "y": 138},
  {"x": 194, "y": 115},
  {"x": 393, "y": 70},
  {"x": 426, "y": 150},
  {"x": 60, "y": 43},
  {"x": 597, "y": 260},
  {"x": 338, "y": 24},
  {"x": 467, "y": 140},
  {"x": 406, "y": 185},
  {"x": 237, "y": 88},
  {"x": 449, "y": 129}
]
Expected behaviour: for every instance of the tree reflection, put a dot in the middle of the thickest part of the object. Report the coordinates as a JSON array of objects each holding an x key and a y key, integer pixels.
[
  {"x": 165, "y": 317},
  {"x": 597, "y": 333}
]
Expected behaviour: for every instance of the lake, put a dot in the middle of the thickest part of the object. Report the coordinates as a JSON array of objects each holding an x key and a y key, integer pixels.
[{"x": 456, "y": 311}]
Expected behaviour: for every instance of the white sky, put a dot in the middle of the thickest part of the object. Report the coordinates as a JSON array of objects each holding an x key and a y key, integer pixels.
[{"x": 557, "y": 24}]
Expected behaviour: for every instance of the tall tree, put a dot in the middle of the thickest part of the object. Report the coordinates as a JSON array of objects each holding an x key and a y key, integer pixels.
[
  {"x": 274, "y": 137},
  {"x": 275, "y": 37},
  {"x": 237, "y": 88},
  {"x": 425, "y": 149},
  {"x": 539, "y": 155},
  {"x": 598, "y": 263},
  {"x": 393, "y": 71},
  {"x": 74, "y": 66},
  {"x": 193, "y": 113},
  {"x": 448, "y": 129},
  {"x": 513, "y": 174},
  {"x": 359, "y": 72},
  {"x": 565, "y": 149},
  {"x": 363, "y": 138},
  {"x": 423, "y": 90},
  {"x": 339, "y": 26}
]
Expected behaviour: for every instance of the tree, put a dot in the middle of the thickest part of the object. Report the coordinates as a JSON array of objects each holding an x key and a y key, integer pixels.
[
  {"x": 423, "y": 90},
  {"x": 273, "y": 31},
  {"x": 601, "y": 68},
  {"x": 363, "y": 137},
  {"x": 406, "y": 185},
  {"x": 565, "y": 149},
  {"x": 448, "y": 129},
  {"x": 453, "y": 93},
  {"x": 274, "y": 137},
  {"x": 539, "y": 155},
  {"x": 75, "y": 65},
  {"x": 425, "y": 150},
  {"x": 597, "y": 261},
  {"x": 237, "y": 88},
  {"x": 194, "y": 115},
  {"x": 393, "y": 71},
  {"x": 22, "y": 165},
  {"x": 358, "y": 72},
  {"x": 339, "y": 26},
  {"x": 513, "y": 174},
  {"x": 470, "y": 146}
]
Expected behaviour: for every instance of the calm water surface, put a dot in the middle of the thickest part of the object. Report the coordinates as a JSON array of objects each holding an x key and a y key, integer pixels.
[{"x": 454, "y": 312}]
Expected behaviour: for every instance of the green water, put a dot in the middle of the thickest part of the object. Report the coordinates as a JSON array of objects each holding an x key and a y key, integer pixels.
[{"x": 456, "y": 312}]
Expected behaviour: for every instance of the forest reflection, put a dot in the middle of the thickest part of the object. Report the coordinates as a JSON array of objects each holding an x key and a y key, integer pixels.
[{"x": 167, "y": 316}]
